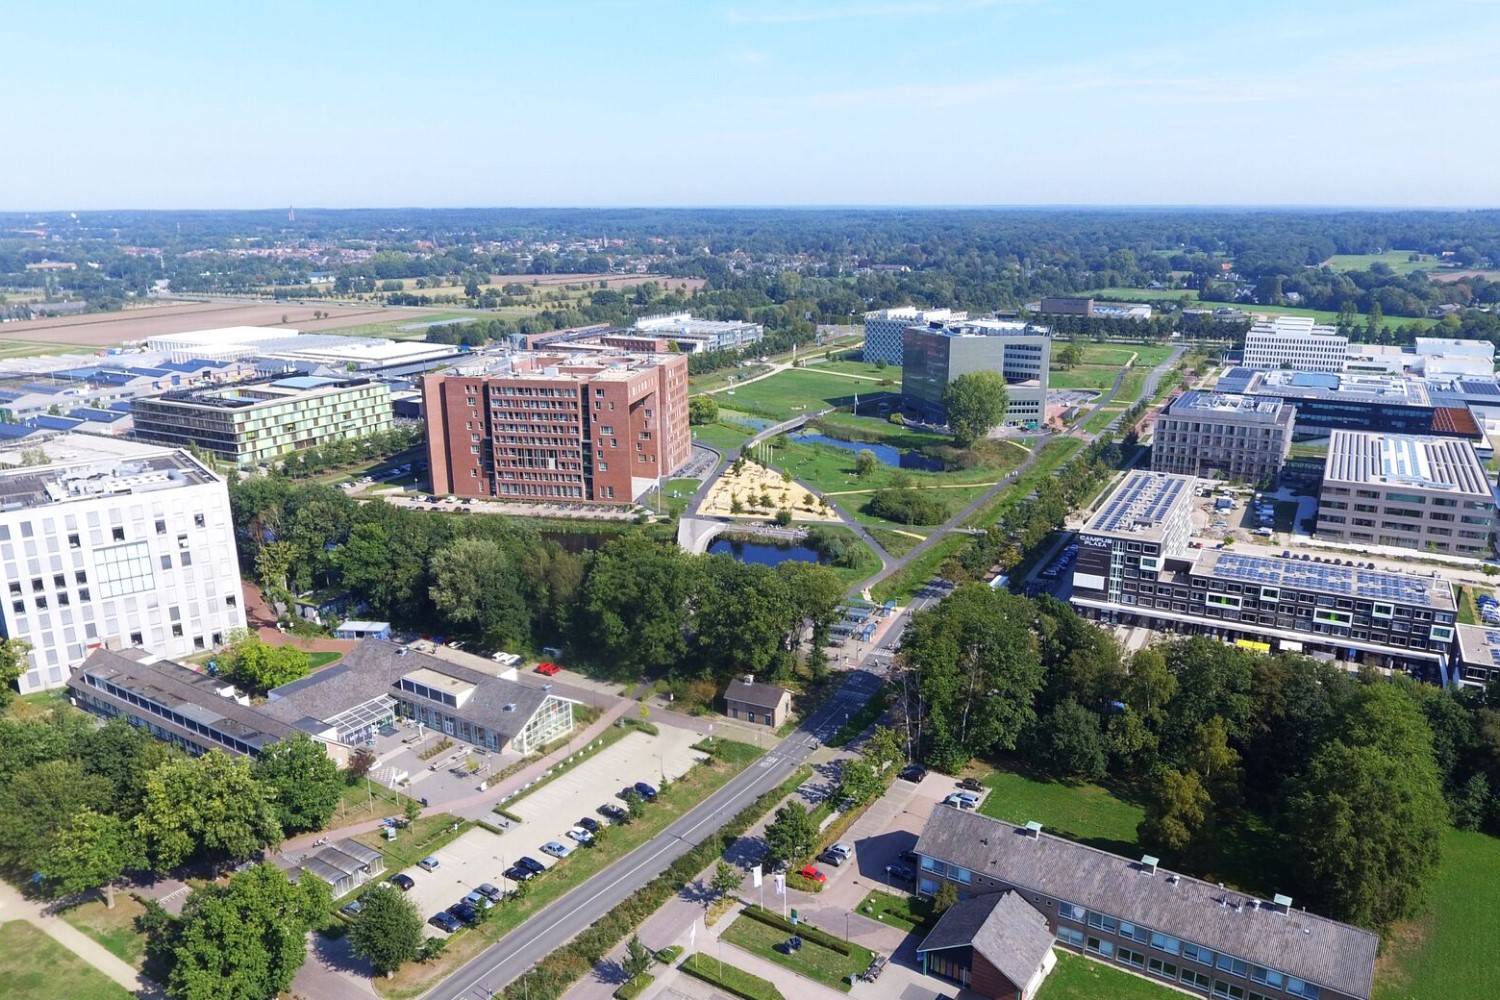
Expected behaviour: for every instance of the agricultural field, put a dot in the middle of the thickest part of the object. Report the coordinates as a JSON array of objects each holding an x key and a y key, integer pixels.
[
  {"x": 1139, "y": 294},
  {"x": 97, "y": 330},
  {"x": 1397, "y": 260}
]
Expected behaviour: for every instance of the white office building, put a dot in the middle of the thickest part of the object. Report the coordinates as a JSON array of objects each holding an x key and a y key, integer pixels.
[
  {"x": 1295, "y": 342},
  {"x": 883, "y": 329},
  {"x": 114, "y": 544}
]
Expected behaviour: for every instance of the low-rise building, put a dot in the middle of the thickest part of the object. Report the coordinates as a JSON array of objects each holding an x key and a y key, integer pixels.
[
  {"x": 1138, "y": 916},
  {"x": 1424, "y": 493},
  {"x": 253, "y": 422},
  {"x": 935, "y": 355},
  {"x": 701, "y": 334},
  {"x": 1295, "y": 342},
  {"x": 996, "y": 945},
  {"x": 763, "y": 704},
  {"x": 1242, "y": 437},
  {"x": 1476, "y": 655}
]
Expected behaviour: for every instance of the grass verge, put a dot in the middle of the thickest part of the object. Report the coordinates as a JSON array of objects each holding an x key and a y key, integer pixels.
[
  {"x": 35, "y": 967},
  {"x": 1078, "y": 978},
  {"x": 813, "y": 960},
  {"x": 114, "y": 929},
  {"x": 902, "y": 585},
  {"x": 731, "y": 980},
  {"x": 910, "y": 913}
]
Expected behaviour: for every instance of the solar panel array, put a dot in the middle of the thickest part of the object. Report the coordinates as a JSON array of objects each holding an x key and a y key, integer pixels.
[
  {"x": 1143, "y": 497},
  {"x": 1492, "y": 641},
  {"x": 1474, "y": 387},
  {"x": 1343, "y": 581}
]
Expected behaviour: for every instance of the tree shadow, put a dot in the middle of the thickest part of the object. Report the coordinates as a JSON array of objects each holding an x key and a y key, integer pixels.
[
  {"x": 611, "y": 972},
  {"x": 337, "y": 955},
  {"x": 698, "y": 892}
]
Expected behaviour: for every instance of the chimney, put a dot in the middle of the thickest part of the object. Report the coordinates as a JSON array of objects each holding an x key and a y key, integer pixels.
[{"x": 749, "y": 678}]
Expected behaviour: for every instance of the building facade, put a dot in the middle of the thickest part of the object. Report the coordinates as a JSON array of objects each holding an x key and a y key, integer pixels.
[
  {"x": 1135, "y": 567},
  {"x": 254, "y": 422},
  {"x": 545, "y": 427},
  {"x": 762, "y": 704},
  {"x": 1295, "y": 342},
  {"x": 884, "y": 329},
  {"x": 701, "y": 334},
  {"x": 1195, "y": 935},
  {"x": 1425, "y": 493},
  {"x": 117, "y": 544},
  {"x": 1244, "y": 438},
  {"x": 935, "y": 355}
]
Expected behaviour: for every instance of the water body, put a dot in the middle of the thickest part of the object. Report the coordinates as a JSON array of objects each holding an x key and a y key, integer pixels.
[
  {"x": 763, "y": 553},
  {"x": 887, "y": 454}
]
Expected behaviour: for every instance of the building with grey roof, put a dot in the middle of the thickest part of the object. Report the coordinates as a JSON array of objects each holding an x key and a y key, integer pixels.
[
  {"x": 752, "y": 701},
  {"x": 1194, "y": 934},
  {"x": 996, "y": 945},
  {"x": 884, "y": 328},
  {"x": 1243, "y": 437},
  {"x": 1426, "y": 493}
]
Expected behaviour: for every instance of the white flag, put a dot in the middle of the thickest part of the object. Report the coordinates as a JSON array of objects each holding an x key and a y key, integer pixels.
[
  {"x": 755, "y": 877},
  {"x": 780, "y": 884},
  {"x": 693, "y": 935}
]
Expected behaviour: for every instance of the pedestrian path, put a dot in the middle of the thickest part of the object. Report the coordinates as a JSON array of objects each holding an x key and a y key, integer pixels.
[{"x": 14, "y": 906}]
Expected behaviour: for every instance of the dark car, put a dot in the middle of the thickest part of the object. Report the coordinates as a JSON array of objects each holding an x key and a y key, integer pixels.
[
  {"x": 464, "y": 912},
  {"x": 518, "y": 874},
  {"x": 531, "y": 864},
  {"x": 913, "y": 772},
  {"x": 352, "y": 908},
  {"x": 402, "y": 882},
  {"x": 590, "y": 824},
  {"x": 900, "y": 872},
  {"x": 910, "y": 857},
  {"x": 489, "y": 892},
  {"x": 971, "y": 784},
  {"x": 612, "y": 811},
  {"x": 446, "y": 921},
  {"x": 644, "y": 790}
]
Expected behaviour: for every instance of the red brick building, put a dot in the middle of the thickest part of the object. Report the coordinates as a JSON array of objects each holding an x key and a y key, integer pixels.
[{"x": 554, "y": 426}]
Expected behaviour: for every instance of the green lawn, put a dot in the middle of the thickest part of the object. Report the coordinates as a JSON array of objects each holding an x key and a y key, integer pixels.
[
  {"x": 910, "y": 913},
  {"x": 316, "y": 660},
  {"x": 1053, "y": 454},
  {"x": 35, "y": 967},
  {"x": 812, "y": 960},
  {"x": 115, "y": 929},
  {"x": 1396, "y": 260},
  {"x": 1102, "y": 418},
  {"x": 1083, "y": 812},
  {"x": 427, "y": 834},
  {"x": 714, "y": 970},
  {"x": 897, "y": 543},
  {"x": 1449, "y": 952},
  {"x": 869, "y": 371},
  {"x": 1084, "y": 377},
  {"x": 1078, "y": 978},
  {"x": 800, "y": 390},
  {"x": 725, "y": 437},
  {"x": 901, "y": 586},
  {"x": 1141, "y": 294}
]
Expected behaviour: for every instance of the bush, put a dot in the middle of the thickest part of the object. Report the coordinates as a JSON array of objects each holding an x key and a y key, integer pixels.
[
  {"x": 734, "y": 981},
  {"x": 797, "y": 881},
  {"x": 634, "y": 987},
  {"x": 773, "y": 919},
  {"x": 908, "y": 506},
  {"x": 839, "y": 549},
  {"x": 669, "y": 954}
]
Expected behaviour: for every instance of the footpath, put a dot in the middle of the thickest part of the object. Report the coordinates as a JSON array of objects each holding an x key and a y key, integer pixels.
[{"x": 14, "y": 906}]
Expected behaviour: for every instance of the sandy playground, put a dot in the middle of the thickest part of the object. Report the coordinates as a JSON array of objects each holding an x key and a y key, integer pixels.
[{"x": 757, "y": 481}]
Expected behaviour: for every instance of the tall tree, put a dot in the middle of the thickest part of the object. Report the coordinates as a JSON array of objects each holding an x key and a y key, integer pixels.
[
  {"x": 303, "y": 782},
  {"x": 743, "y": 615},
  {"x": 976, "y": 403},
  {"x": 476, "y": 585},
  {"x": 92, "y": 851},
  {"x": 36, "y": 806},
  {"x": 211, "y": 804},
  {"x": 260, "y": 666},
  {"x": 634, "y": 605},
  {"x": 12, "y": 666},
  {"x": 1176, "y": 809},
  {"x": 388, "y": 930},
  {"x": 791, "y": 835}
]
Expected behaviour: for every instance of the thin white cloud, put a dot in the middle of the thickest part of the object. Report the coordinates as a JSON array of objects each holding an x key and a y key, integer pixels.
[
  {"x": 892, "y": 8},
  {"x": 748, "y": 57}
]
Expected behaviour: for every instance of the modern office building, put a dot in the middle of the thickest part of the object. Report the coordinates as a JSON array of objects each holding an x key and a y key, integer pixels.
[
  {"x": 118, "y": 544},
  {"x": 343, "y": 706},
  {"x": 700, "y": 334},
  {"x": 1241, "y": 437},
  {"x": 1136, "y": 915},
  {"x": 1135, "y": 567},
  {"x": 546, "y": 427},
  {"x": 936, "y": 354},
  {"x": 252, "y": 422},
  {"x": 1476, "y": 655},
  {"x": 1424, "y": 493},
  {"x": 884, "y": 329},
  {"x": 1295, "y": 342},
  {"x": 280, "y": 343},
  {"x": 1073, "y": 306}
]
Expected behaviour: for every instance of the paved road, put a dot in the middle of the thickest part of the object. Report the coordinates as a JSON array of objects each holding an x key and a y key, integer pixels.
[{"x": 522, "y": 948}]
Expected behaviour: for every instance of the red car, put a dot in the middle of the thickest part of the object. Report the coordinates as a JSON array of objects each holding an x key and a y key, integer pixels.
[
  {"x": 813, "y": 873},
  {"x": 547, "y": 669}
]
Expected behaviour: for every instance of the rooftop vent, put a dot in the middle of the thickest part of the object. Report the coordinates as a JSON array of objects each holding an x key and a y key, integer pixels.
[
  {"x": 1148, "y": 864},
  {"x": 1172, "y": 880},
  {"x": 510, "y": 706},
  {"x": 1033, "y": 828},
  {"x": 1281, "y": 904}
]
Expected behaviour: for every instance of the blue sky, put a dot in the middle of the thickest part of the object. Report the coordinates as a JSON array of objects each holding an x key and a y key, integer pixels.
[{"x": 750, "y": 102}]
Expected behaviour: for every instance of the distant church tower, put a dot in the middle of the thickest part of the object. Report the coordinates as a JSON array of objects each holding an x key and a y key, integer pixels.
[{"x": 291, "y": 215}]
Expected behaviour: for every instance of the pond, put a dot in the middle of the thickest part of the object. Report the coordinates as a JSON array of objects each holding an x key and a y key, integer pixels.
[
  {"x": 887, "y": 454},
  {"x": 763, "y": 553},
  {"x": 579, "y": 542}
]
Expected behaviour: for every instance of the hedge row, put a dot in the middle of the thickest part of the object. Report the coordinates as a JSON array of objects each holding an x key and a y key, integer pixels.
[
  {"x": 773, "y": 919},
  {"x": 729, "y": 979},
  {"x": 669, "y": 954},
  {"x": 802, "y": 883},
  {"x": 634, "y": 987},
  {"x": 552, "y": 976}
]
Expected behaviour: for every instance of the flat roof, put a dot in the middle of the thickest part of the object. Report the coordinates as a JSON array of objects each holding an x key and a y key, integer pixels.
[
  {"x": 985, "y": 328},
  {"x": 1429, "y": 463},
  {"x": 1140, "y": 505},
  {"x": 1327, "y": 577},
  {"x": 81, "y": 472},
  {"x": 1479, "y": 645},
  {"x": 1257, "y": 409},
  {"x": 1293, "y": 385}
]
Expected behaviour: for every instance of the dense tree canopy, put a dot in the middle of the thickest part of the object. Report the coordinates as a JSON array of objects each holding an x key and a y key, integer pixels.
[{"x": 975, "y": 403}]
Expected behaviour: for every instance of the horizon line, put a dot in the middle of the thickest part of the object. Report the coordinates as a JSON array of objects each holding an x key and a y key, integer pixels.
[{"x": 814, "y": 207}]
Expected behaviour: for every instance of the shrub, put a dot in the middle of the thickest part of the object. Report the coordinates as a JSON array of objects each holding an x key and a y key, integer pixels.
[
  {"x": 797, "y": 881},
  {"x": 634, "y": 987},
  {"x": 734, "y": 981},
  {"x": 669, "y": 954},
  {"x": 907, "y": 506}
]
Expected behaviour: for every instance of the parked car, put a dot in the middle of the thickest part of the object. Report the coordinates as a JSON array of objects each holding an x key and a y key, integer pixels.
[
  {"x": 901, "y": 873},
  {"x": 491, "y": 893},
  {"x": 556, "y": 848},
  {"x": 913, "y": 772},
  {"x": 811, "y": 872},
  {"x": 829, "y": 858},
  {"x": 429, "y": 864},
  {"x": 581, "y": 835},
  {"x": 464, "y": 912},
  {"x": 402, "y": 881},
  {"x": 611, "y": 811},
  {"x": 531, "y": 864},
  {"x": 590, "y": 824},
  {"x": 479, "y": 900},
  {"x": 446, "y": 921},
  {"x": 962, "y": 800},
  {"x": 910, "y": 857},
  {"x": 516, "y": 873},
  {"x": 352, "y": 908},
  {"x": 644, "y": 790},
  {"x": 548, "y": 669},
  {"x": 842, "y": 849},
  {"x": 971, "y": 784}
]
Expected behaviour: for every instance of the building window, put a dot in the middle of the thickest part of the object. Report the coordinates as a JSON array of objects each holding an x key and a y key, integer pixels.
[
  {"x": 118, "y": 534},
  {"x": 161, "y": 526},
  {"x": 1071, "y": 936},
  {"x": 1164, "y": 969},
  {"x": 1228, "y": 990},
  {"x": 1198, "y": 953},
  {"x": 1134, "y": 959},
  {"x": 1100, "y": 947},
  {"x": 73, "y": 541},
  {"x": 230, "y": 601},
  {"x": 198, "y": 520},
  {"x": 1162, "y": 942},
  {"x": 135, "y": 638}
]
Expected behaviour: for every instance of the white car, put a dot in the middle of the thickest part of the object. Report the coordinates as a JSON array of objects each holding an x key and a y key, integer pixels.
[{"x": 581, "y": 835}]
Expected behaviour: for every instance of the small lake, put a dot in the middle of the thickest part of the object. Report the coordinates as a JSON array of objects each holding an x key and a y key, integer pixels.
[
  {"x": 579, "y": 542},
  {"x": 762, "y": 553},
  {"x": 888, "y": 455}
]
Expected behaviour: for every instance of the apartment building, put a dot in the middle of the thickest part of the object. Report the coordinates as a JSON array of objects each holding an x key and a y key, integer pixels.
[
  {"x": 118, "y": 544},
  {"x": 551, "y": 426},
  {"x": 1134, "y": 914},
  {"x": 936, "y": 354},
  {"x": 884, "y": 329},
  {"x": 1244, "y": 438},
  {"x": 1295, "y": 342},
  {"x": 253, "y": 422},
  {"x": 1425, "y": 493},
  {"x": 1135, "y": 566}
]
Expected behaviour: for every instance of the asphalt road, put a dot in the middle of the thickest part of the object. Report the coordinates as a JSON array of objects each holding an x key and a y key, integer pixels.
[{"x": 518, "y": 951}]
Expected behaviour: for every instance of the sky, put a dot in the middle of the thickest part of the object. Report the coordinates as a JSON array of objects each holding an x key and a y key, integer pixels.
[{"x": 750, "y": 102}]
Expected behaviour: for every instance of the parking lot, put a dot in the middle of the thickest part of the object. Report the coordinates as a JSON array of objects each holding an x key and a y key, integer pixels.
[
  {"x": 549, "y": 811},
  {"x": 475, "y": 857}
]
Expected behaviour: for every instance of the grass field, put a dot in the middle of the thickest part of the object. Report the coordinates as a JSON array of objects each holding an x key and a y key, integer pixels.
[
  {"x": 1396, "y": 260},
  {"x": 115, "y": 929},
  {"x": 1079, "y": 978},
  {"x": 1141, "y": 294},
  {"x": 816, "y": 962},
  {"x": 864, "y": 370},
  {"x": 907, "y": 912},
  {"x": 725, "y": 437},
  {"x": 797, "y": 391},
  {"x": 323, "y": 659},
  {"x": 1053, "y": 454},
  {"x": 897, "y": 543},
  {"x": 1087, "y": 813},
  {"x": 1102, "y": 418},
  {"x": 1322, "y": 315},
  {"x": 901, "y": 586},
  {"x": 1449, "y": 952},
  {"x": 35, "y": 967},
  {"x": 1084, "y": 377}
]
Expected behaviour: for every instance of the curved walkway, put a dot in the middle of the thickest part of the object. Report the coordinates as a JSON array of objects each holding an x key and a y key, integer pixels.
[{"x": 14, "y": 906}]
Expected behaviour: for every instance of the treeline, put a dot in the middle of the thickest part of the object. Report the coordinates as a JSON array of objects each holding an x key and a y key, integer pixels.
[
  {"x": 1340, "y": 786},
  {"x": 638, "y": 606}
]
